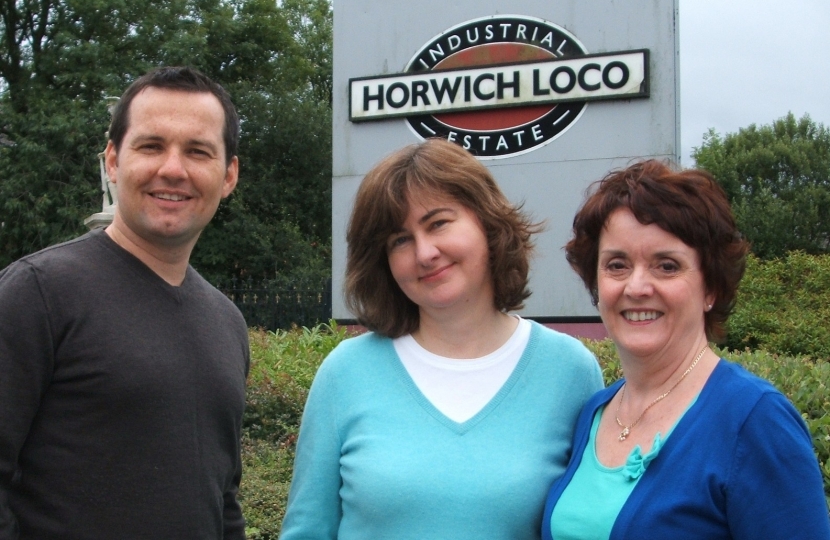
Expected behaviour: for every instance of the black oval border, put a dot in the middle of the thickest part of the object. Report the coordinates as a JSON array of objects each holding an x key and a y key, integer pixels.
[{"x": 551, "y": 125}]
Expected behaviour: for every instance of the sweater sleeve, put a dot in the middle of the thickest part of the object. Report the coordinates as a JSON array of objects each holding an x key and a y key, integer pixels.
[
  {"x": 232, "y": 517},
  {"x": 775, "y": 489},
  {"x": 26, "y": 362},
  {"x": 233, "y": 522},
  {"x": 314, "y": 506}
]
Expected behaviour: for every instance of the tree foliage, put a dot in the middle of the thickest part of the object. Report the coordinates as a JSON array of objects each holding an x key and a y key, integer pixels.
[
  {"x": 777, "y": 178},
  {"x": 59, "y": 59}
]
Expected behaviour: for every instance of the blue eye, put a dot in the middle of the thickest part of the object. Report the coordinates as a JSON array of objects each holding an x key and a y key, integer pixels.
[{"x": 397, "y": 241}]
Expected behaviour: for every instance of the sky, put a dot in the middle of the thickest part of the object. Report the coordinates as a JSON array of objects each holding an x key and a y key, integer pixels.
[{"x": 748, "y": 62}]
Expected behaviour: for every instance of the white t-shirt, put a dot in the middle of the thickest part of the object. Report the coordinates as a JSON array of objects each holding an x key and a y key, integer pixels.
[{"x": 461, "y": 388}]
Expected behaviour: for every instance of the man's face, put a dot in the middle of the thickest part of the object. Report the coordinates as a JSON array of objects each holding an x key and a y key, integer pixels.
[{"x": 171, "y": 170}]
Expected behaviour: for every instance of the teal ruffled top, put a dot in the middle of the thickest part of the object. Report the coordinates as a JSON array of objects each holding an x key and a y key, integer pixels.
[{"x": 592, "y": 500}]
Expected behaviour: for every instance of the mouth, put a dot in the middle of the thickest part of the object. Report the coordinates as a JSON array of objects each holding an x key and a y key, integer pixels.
[
  {"x": 170, "y": 196},
  {"x": 434, "y": 273},
  {"x": 638, "y": 316}
]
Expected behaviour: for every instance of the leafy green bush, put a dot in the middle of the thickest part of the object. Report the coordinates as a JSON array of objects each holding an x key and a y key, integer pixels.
[
  {"x": 784, "y": 306},
  {"x": 283, "y": 365},
  {"x": 264, "y": 490}
]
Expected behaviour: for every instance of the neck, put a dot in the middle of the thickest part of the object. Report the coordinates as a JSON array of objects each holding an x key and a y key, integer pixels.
[
  {"x": 647, "y": 377},
  {"x": 473, "y": 336},
  {"x": 170, "y": 263}
]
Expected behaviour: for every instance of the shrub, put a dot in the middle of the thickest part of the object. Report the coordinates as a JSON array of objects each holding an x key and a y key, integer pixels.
[
  {"x": 283, "y": 365},
  {"x": 784, "y": 306},
  {"x": 264, "y": 490}
]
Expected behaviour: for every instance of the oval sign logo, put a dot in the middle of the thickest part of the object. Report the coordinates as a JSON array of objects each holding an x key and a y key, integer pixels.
[
  {"x": 493, "y": 41},
  {"x": 499, "y": 86}
]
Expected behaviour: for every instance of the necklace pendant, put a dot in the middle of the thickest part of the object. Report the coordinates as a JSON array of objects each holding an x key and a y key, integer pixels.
[{"x": 624, "y": 434}]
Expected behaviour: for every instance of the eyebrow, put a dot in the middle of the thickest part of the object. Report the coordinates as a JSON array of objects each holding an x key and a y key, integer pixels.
[
  {"x": 659, "y": 255},
  {"x": 426, "y": 217},
  {"x": 146, "y": 138},
  {"x": 158, "y": 138},
  {"x": 431, "y": 213}
]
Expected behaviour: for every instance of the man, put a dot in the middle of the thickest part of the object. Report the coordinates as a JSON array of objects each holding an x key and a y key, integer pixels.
[{"x": 122, "y": 372}]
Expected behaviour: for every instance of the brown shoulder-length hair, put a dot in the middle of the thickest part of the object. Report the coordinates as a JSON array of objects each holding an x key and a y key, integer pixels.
[
  {"x": 434, "y": 168},
  {"x": 688, "y": 204}
]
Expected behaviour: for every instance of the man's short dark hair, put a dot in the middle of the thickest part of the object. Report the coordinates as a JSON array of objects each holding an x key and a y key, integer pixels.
[{"x": 184, "y": 79}]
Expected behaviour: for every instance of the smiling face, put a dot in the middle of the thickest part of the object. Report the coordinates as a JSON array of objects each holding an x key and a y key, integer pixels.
[
  {"x": 171, "y": 170},
  {"x": 440, "y": 258},
  {"x": 652, "y": 296}
]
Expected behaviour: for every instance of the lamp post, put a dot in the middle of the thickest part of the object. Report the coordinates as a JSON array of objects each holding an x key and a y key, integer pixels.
[{"x": 104, "y": 217}]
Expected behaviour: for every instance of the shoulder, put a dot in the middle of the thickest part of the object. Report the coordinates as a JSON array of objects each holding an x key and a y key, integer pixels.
[
  {"x": 365, "y": 359},
  {"x": 201, "y": 296},
  {"x": 562, "y": 365},
  {"x": 364, "y": 363},
  {"x": 202, "y": 290},
  {"x": 61, "y": 263},
  {"x": 743, "y": 402},
  {"x": 552, "y": 339},
  {"x": 69, "y": 255},
  {"x": 359, "y": 353},
  {"x": 735, "y": 383},
  {"x": 565, "y": 350}
]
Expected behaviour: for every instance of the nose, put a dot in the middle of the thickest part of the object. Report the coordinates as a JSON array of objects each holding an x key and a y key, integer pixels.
[
  {"x": 173, "y": 165},
  {"x": 425, "y": 251},
  {"x": 639, "y": 283}
]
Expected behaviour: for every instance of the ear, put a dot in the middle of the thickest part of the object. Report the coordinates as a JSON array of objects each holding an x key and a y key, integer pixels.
[
  {"x": 709, "y": 300},
  {"x": 231, "y": 177},
  {"x": 111, "y": 162}
]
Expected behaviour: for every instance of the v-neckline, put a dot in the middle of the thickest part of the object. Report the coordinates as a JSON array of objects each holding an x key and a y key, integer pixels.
[{"x": 467, "y": 425}]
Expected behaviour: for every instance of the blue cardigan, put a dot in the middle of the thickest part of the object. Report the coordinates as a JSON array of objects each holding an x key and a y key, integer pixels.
[{"x": 739, "y": 465}]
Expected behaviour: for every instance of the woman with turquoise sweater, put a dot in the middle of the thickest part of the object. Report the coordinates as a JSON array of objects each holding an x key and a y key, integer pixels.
[
  {"x": 451, "y": 417},
  {"x": 688, "y": 446}
]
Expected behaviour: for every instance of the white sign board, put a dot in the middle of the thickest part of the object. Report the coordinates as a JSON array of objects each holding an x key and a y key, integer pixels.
[
  {"x": 621, "y": 75},
  {"x": 551, "y": 96}
]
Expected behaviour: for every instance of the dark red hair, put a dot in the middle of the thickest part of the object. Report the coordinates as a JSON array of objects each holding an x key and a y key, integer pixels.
[{"x": 688, "y": 204}]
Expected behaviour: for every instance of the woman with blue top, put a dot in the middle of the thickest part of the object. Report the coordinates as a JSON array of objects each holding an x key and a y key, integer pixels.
[
  {"x": 450, "y": 419},
  {"x": 688, "y": 445}
]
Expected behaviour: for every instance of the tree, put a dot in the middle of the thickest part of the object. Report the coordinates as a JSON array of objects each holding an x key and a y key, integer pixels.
[
  {"x": 59, "y": 59},
  {"x": 777, "y": 178}
]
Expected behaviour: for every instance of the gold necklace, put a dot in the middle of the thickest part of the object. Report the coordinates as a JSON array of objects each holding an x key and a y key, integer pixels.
[{"x": 626, "y": 430}]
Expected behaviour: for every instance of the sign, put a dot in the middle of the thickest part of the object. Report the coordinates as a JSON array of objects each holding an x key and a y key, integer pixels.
[
  {"x": 550, "y": 96},
  {"x": 499, "y": 86}
]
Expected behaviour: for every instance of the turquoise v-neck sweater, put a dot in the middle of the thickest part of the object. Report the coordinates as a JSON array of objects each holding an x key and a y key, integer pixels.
[{"x": 375, "y": 459}]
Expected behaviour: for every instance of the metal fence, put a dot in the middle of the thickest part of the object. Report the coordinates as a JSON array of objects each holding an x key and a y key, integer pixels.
[{"x": 271, "y": 307}]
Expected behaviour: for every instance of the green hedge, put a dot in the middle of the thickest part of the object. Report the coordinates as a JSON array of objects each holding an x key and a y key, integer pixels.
[
  {"x": 784, "y": 306},
  {"x": 283, "y": 365}
]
